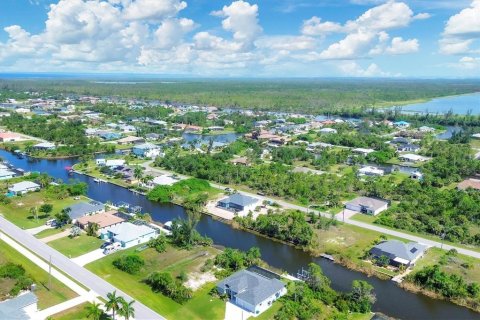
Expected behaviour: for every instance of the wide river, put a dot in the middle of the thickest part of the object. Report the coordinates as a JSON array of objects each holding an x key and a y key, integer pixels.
[
  {"x": 461, "y": 104},
  {"x": 391, "y": 299}
]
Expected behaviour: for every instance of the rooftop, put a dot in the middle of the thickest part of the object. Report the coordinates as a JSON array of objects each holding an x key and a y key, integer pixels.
[
  {"x": 368, "y": 202},
  {"x": 104, "y": 219},
  {"x": 127, "y": 232},
  {"x": 398, "y": 249},
  {"x": 24, "y": 185},
  {"x": 469, "y": 183},
  {"x": 240, "y": 199},
  {"x": 13, "y": 308}
]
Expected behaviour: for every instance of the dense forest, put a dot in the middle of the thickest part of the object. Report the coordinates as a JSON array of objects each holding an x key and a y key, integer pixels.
[{"x": 309, "y": 96}]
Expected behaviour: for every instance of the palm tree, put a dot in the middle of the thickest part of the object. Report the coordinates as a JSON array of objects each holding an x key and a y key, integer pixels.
[
  {"x": 137, "y": 172},
  {"x": 114, "y": 303},
  {"x": 94, "y": 311},
  {"x": 92, "y": 229},
  {"x": 34, "y": 212},
  {"x": 127, "y": 310}
]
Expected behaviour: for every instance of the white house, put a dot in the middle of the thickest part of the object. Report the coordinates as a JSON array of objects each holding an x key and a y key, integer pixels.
[
  {"x": 370, "y": 171},
  {"x": 148, "y": 150},
  {"x": 6, "y": 174},
  {"x": 129, "y": 234},
  {"x": 23, "y": 187},
  {"x": 114, "y": 163},
  {"x": 239, "y": 203},
  {"x": 410, "y": 157},
  {"x": 44, "y": 146},
  {"x": 252, "y": 291},
  {"x": 366, "y": 205},
  {"x": 327, "y": 130},
  {"x": 362, "y": 151}
]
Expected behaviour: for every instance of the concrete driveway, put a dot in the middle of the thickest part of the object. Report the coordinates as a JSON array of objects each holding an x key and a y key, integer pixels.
[
  {"x": 89, "y": 257},
  {"x": 232, "y": 312}
]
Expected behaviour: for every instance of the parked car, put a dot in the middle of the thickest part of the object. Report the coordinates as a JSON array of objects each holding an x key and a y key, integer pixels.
[{"x": 51, "y": 223}]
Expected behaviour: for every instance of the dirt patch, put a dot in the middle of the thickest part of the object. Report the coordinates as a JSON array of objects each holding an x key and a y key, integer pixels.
[{"x": 197, "y": 279}]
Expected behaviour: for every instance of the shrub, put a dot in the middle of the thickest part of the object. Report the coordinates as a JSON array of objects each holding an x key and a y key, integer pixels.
[{"x": 130, "y": 264}]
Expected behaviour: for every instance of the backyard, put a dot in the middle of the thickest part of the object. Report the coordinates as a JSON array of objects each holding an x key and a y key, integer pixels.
[
  {"x": 46, "y": 297},
  {"x": 201, "y": 306}
]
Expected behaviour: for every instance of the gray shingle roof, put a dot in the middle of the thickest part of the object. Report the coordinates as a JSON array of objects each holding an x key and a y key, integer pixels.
[
  {"x": 81, "y": 209},
  {"x": 251, "y": 287},
  {"x": 240, "y": 199},
  {"x": 395, "y": 248},
  {"x": 368, "y": 202},
  {"x": 13, "y": 308}
]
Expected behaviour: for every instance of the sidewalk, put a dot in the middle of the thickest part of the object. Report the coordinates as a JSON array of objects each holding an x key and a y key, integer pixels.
[{"x": 60, "y": 235}]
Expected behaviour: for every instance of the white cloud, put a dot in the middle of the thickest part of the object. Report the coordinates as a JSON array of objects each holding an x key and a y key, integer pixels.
[
  {"x": 352, "y": 68},
  {"x": 470, "y": 63},
  {"x": 354, "y": 45},
  {"x": 152, "y": 9},
  {"x": 315, "y": 27},
  {"x": 461, "y": 30},
  {"x": 171, "y": 32},
  {"x": 400, "y": 46}
]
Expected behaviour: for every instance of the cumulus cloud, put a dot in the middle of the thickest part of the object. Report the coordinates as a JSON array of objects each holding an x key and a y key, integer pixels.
[
  {"x": 461, "y": 30},
  {"x": 352, "y": 68}
]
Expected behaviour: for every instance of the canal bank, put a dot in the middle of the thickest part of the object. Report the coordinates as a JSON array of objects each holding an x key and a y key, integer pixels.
[{"x": 391, "y": 299}]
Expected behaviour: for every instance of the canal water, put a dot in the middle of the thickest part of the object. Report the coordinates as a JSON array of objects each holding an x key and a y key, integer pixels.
[
  {"x": 391, "y": 299},
  {"x": 461, "y": 104}
]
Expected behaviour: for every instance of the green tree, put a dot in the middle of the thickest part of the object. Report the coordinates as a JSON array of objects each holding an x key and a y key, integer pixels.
[
  {"x": 93, "y": 311},
  {"x": 114, "y": 303},
  {"x": 92, "y": 229},
  {"x": 127, "y": 310}
]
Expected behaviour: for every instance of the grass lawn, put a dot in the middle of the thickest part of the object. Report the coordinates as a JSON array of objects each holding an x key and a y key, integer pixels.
[
  {"x": 466, "y": 267},
  {"x": 77, "y": 312},
  {"x": 74, "y": 247},
  {"x": 18, "y": 210},
  {"x": 270, "y": 313},
  {"x": 370, "y": 219},
  {"x": 46, "y": 298},
  {"x": 51, "y": 232},
  {"x": 201, "y": 306}
]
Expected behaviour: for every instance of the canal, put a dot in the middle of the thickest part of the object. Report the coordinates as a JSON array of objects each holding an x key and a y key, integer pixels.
[{"x": 391, "y": 299}]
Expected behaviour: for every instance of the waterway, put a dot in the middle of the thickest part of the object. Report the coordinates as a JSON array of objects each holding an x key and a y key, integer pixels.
[
  {"x": 391, "y": 299},
  {"x": 461, "y": 104}
]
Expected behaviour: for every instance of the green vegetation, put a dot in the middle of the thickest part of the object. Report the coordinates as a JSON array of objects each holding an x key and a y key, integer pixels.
[
  {"x": 74, "y": 247},
  {"x": 77, "y": 312},
  {"x": 233, "y": 260},
  {"x": 129, "y": 263},
  {"x": 47, "y": 296},
  {"x": 15, "y": 275},
  {"x": 173, "y": 288},
  {"x": 180, "y": 191}
]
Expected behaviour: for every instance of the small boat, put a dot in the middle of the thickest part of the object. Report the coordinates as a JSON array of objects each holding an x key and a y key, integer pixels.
[
  {"x": 96, "y": 180},
  {"x": 328, "y": 257}
]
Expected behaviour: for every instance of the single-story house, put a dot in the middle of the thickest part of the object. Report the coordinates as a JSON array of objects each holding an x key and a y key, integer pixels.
[
  {"x": 103, "y": 220},
  {"x": 44, "y": 146},
  {"x": 23, "y": 187},
  {"x": 252, "y": 291},
  {"x": 408, "y": 147},
  {"x": 163, "y": 180},
  {"x": 366, "y": 205},
  {"x": 401, "y": 124},
  {"x": 426, "y": 129},
  {"x": 6, "y": 174},
  {"x": 469, "y": 183},
  {"x": 110, "y": 136},
  {"x": 240, "y": 161},
  {"x": 114, "y": 163},
  {"x": 146, "y": 150},
  {"x": 23, "y": 306},
  {"x": 9, "y": 137},
  {"x": 130, "y": 140},
  {"x": 362, "y": 151},
  {"x": 239, "y": 203},
  {"x": 129, "y": 234},
  {"x": 152, "y": 136},
  {"x": 409, "y": 157},
  {"x": 82, "y": 209},
  {"x": 398, "y": 252},
  {"x": 370, "y": 171}
]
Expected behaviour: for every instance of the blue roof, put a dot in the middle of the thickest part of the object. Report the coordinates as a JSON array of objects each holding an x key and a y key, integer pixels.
[
  {"x": 13, "y": 308},
  {"x": 401, "y": 122},
  {"x": 81, "y": 209}
]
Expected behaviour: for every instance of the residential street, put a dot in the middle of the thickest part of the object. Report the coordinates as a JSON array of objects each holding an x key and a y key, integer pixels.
[
  {"x": 339, "y": 217},
  {"x": 62, "y": 263}
]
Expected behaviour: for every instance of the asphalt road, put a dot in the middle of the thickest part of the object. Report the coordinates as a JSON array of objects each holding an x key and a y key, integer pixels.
[
  {"x": 339, "y": 217},
  {"x": 80, "y": 274}
]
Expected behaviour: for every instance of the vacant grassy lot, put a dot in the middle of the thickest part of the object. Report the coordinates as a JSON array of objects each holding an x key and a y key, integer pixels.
[
  {"x": 51, "y": 232},
  {"x": 46, "y": 297},
  {"x": 74, "y": 247},
  {"x": 201, "y": 306},
  {"x": 466, "y": 267},
  {"x": 18, "y": 210}
]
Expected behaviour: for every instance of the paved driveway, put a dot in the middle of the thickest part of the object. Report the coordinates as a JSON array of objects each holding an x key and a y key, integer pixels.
[
  {"x": 80, "y": 274},
  {"x": 89, "y": 257},
  {"x": 232, "y": 312}
]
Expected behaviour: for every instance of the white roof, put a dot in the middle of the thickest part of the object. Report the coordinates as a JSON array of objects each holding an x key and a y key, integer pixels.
[
  {"x": 45, "y": 145},
  {"x": 413, "y": 157},
  {"x": 6, "y": 173},
  {"x": 115, "y": 162},
  {"x": 164, "y": 180},
  {"x": 22, "y": 186},
  {"x": 363, "y": 150},
  {"x": 127, "y": 231},
  {"x": 369, "y": 169}
]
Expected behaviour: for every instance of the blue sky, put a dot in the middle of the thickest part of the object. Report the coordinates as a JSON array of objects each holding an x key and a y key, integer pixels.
[{"x": 263, "y": 38}]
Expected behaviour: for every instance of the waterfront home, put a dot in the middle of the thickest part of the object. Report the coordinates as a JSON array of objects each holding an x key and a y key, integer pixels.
[
  {"x": 44, "y": 146},
  {"x": 401, "y": 124},
  {"x": 252, "y": 291},
  {"x": 81, "y": 209},
  {"x": 103, "y": 220},
  {"x": 371, "y": 171},
  {"x": 426, "y": 129},
  {"x": 148, "y": 150},
  {"x": 243, "y": 161},
  {"x": 470, "y": 183},
  {"x": 129, "y": 234},
  {"x": 114, "y": 162},
  {"x": 362, "y": 151},
  {"x": 398, "y": 252},
  {"x": 239, "y": 203},
  {"x": 476, "y": 136},
  {"x": 163, "y": 180},
  {"x": 9, "y": 137},
  {"x": 6, "y": 174},
  {"x": 367, "y": 205},
  {"x": 130, "y": 140},
  {"x": 23, "y": 306},
  {"x": 107, "y": 136},
  {"x": 23, "y": 187},
  {"x": 414, "y": 158},
  {"x": 408, "y": 148}
]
